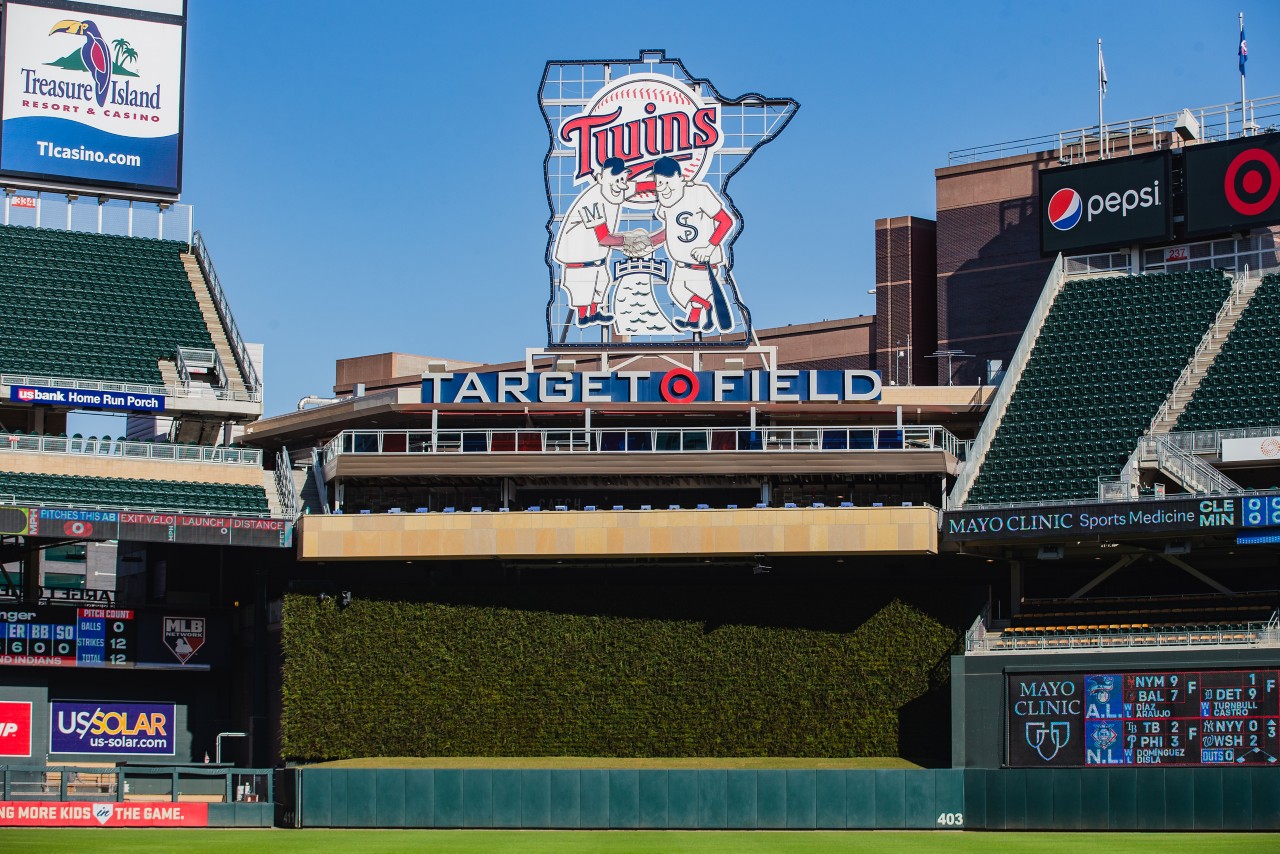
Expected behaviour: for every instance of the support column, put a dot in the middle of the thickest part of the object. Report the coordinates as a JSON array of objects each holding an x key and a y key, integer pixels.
[
  {"x": 31, "y": 572},
  {"x": 1015, "y": 587}
]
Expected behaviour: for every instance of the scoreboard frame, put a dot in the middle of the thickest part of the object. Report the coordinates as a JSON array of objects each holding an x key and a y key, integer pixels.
[{"x": 1137, "y": 718}]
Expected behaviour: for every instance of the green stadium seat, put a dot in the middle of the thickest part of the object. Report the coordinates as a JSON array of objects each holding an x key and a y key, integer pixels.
[
  {"x": 94, "y": 307},
  {"x": 1088, "y": 392}
]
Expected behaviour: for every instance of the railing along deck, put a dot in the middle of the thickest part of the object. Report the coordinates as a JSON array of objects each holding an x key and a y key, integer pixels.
[
  {"x": 124, "y": 449},
  {"x": 632, "y": 440}
]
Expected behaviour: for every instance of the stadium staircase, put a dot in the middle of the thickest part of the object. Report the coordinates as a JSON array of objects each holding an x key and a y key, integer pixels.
[
  {"x": 1241, "y": 388},
  {"x": 208, "y": 310},
  {"x": 127, "y": 493},
  {"x": 1095, "y": 372}
]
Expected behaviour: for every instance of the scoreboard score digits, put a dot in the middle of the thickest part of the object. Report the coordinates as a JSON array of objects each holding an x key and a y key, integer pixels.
[
  {"x": 1206, "y": 717},
  {"x": 67, "y": 637}
]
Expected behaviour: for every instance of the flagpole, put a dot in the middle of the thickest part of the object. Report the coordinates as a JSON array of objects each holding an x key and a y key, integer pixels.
[
  {"x": 1244, "y": 117},
  {"x": 1101, "y": 143}
]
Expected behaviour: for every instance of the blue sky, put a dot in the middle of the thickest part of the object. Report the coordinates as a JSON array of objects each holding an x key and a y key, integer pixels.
[{"x": 368, "y": 176}]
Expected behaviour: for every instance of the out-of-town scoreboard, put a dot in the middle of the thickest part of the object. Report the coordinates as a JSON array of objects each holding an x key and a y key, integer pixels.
[
  {"x": 67, "y": 637},
  {"x": 1198, "y": 717}
]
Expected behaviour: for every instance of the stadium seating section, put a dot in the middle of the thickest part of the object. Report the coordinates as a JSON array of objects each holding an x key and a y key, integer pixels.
[
  {"x": 1242, "y": 388},
  {"x": 134, "y": 494},
  {"x": 94, "y": 307},
  {"x": 1107, "y": 356}
]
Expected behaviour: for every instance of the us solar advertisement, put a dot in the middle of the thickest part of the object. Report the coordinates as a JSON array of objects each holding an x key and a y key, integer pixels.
[
  {"x": 91, "y": 98},
  {"x": 1232, "y": 186},
  {"x": 1105, "y": 205}
]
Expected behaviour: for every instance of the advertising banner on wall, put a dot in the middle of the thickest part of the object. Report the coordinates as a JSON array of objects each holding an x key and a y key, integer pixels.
[
  {"x": 1106, "y": 204},
  {"x": 1232, "y": 186},
  {"x": 91, "y": 98},
  {"x": 1073, "y": 521},
  {"x": 15, "y": 728},
  {"x": 65, "y": 814},
  {"x": 128, "y": 729}
]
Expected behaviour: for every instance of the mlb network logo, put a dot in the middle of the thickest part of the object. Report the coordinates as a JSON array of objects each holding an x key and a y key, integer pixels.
[{"x": 15, "y": 729}]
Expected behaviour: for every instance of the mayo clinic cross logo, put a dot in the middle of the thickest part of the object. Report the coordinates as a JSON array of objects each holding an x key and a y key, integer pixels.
[
  {"x": 95, "y": 57},
  {"x": 1042, "y": 736},
  {"x": 640, "y": 240}
]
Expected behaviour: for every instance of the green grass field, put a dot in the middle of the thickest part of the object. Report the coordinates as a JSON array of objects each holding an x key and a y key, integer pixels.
[
  {"x": 31, "y": 841},
  {"x": 598, "y": 762}
]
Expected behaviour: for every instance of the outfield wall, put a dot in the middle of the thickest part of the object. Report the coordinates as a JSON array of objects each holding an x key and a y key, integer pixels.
[{"x": 1156, "y": 799}]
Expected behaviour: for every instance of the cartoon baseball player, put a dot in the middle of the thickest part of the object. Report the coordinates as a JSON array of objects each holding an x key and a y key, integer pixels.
[
  {"x": 694, "y": 225},
  {"x": 586, "y": 238}
]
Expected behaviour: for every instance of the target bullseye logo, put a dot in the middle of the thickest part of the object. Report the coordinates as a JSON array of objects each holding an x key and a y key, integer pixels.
[
  {"x": 77, "y": 529},
  {"x": 1252, "y": 182},
  {"x": 1065, "y": 209},
  {"x": 679, "y": 385}
]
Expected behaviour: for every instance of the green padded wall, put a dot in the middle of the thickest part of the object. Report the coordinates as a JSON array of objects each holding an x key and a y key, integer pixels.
[{"x": 803, "y": 799}]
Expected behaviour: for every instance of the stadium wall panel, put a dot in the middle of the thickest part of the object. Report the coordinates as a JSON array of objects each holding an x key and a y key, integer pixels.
[
  {"x": 87, "y": 465},
  {"x": 618, "y": 799}
]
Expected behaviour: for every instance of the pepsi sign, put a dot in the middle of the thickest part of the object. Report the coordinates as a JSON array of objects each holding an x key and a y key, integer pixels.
[
  {"x": 1232, "y": 186},
  {"x": 1105, "y": 205}
]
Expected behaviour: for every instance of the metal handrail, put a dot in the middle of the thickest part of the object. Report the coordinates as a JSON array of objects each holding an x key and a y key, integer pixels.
[
  {"x": 1215, "y": 123},
  {"x": 123, "y": 448},
  {"x": 1254, "y": 634},
  {"x": 605, "y": 440},
  {"x": 1198, "y": 358},
  {"x": 999, "y": 403},
  {"x": 1192, "y": 469},
  {"x": 1078, "y": 502},
  {"x": 1210, "y": 441},
  {"x": 113, "y": 781},
  {"x": 238, "y": 349},
  {"x": 131, "y": 388},
  {"x": 285, "y": 487}
]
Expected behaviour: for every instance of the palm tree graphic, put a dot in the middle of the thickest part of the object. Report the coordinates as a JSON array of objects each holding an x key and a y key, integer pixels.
[{"x": 124, "y": 52}]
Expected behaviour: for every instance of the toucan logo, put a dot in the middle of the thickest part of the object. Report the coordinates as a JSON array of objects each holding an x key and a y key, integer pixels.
[{"x": 95, "y": 56}]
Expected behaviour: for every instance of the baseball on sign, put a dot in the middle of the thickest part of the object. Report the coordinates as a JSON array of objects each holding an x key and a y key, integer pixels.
[{"x": 638, "y": 119}]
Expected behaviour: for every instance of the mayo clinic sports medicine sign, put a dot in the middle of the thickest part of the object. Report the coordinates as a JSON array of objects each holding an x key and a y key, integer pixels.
[
  {"x": 92, "y": 94},
  {"x": 1054, "y": 523},
  {"x": 1232, "y": 186},
  {"x": 676, "y": 386},
  {"x": 1106, "y": 204}
]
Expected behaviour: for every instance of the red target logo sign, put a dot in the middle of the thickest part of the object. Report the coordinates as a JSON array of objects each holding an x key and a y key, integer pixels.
[
  {"x": 1252, "y": 182},
  {"x": 77, "y": 528},
  {"x": 679, "y": 385}
]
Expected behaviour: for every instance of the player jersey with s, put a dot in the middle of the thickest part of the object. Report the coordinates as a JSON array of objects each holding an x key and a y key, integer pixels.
[{"x": 690, "y": 223}]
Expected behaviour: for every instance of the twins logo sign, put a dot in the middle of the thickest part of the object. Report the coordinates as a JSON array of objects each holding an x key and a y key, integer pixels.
[{"x": 642, "y": 226}]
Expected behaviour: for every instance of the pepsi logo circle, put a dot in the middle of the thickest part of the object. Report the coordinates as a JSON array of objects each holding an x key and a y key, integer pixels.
[
  {"x": 1065, "y": 209},
  {"x": 1252, "y": 182}
]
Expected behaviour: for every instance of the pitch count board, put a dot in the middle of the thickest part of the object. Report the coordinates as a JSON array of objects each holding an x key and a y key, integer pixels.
[
  {"x": 67, "y": 637},
  {"x": 1204, "y": 717}
]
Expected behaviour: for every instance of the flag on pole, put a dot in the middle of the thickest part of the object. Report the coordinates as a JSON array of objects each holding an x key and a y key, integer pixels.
[
  {"x": 1102, "y": 71},
  {"x": 1244, "y": 51}
]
